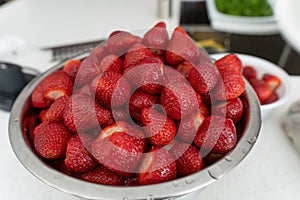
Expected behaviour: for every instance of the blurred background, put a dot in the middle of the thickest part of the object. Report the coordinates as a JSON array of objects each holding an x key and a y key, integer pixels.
[{"x": 54, "y": 29}]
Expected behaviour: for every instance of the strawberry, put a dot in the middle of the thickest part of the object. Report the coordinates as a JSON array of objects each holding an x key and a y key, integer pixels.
[
  {"x": 188, "y": 127},
  {"x": 50, "y": 140},
  {"x": 184, "y": 68},
  {"x": 98, "y": 53},
  {"x": 188, "y": 159},
  {"x": 120, "y": 114},
  {"x": 42, "y": 114},
  {"x": 203, "y": 109},
  {"x": 181, "y": 47},
  {"x": 230, "y": 62},
  {"x": 56, "y": 111},
  {"x": 147, "y": 74},
  {"x": 262, "y": 89},
  {"x": 111, "y": 63},
  {"x": 111, "y": 89},
  {"x": 56, "y": 85},
  {"x": 87, "y": 72},
  {"x": 217, "y": 134},
  {"x": 273, "y": 81},
  {"x": 119, "y": 147},
  {"x": 103, "y": 176},
  {"x": 232, "y": 109},
  {"x": 133, "y": 181},
  {"x": 29, "y": 123},
  {"x": 38, "y": 99},
  {"x": 140, "y": 100},
  {"x": 179, "y": 100},
  {"x": 78, "y": 158},
  {"x": 274, "y": 97},
  {"x": 231, "y": 86},
  {"x": 204, "y": 78},
  {"x": 157, "y": 166},
  {"x": 82, "y": 113},
  {"x": 159, "y": 129},
  {"x": 136, "y": 53},
  {"x": 120, "y": 41},
  {"x": 249, "y": 72},
  {"x": 86, "y": 89},
  {"x": 157, "y": 39},
  {"x": 71, "y": 67},
  {"x": 173, "y": 75}
]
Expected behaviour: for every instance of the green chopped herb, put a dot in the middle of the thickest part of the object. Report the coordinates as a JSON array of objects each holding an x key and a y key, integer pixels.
[{"x": 244, "y": 7}]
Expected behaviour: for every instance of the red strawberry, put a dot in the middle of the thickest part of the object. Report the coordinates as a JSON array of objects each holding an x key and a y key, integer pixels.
[
  {"x": 217, "y": 134},
  {"x": 57, "y": 84},
  {"x": 173, "y": 75},
  {"x": 203, "y": 109},
  {"x": 249, "y": 72},
  {"x": 87, "y": 72},
  {"x": 98, "y": 53},
  {"x": 82, "y": 113},
  {"x": 147, "y": 74},
  {"x": 78, "y": 158},
  {"x": 119, "y": 147},
  {"x": 273, "y": 81},
  {"x": 136, "y": 53},
  {"x": 274, "y": 97},
  {"x": 232, "y": 109},
  {"x": 188, "y": 127},
  {"x": 140, "y": 100},
  {"x": 157, "y": 38},
  {"x": 42, "y": 114},
  {"x": 133, "y": 181},
  {"x": 230, "y": 62},
  {"x": 29, "y": 124},
  {"x": 111, "y": 89},
  {"x": 120, "y": 114},
  {"x": 71, "y": 68},
  {"x": 159, "y": 129},
  {"x": 37, "y": 97},
  {"x": 181, "y": 47},
  {"x": 184, "y": 68},
  {"x": 262, "y": 90},
  {"x": 188, "y": 159},
  {"x": 120, "y": 41},
  {"x": 157, "y": 166},
  {"x": 231, "y": 86},
  {"x": 204, "y": 78},
  {"x": 103, "y": 176},
  {"x": 179, "y": 100},
  {"x": 50, "y": 140},
  {"x": 56, "y": 111},
  {"x": 86, "y": 89},
  {"x": 111, "y": 63}
]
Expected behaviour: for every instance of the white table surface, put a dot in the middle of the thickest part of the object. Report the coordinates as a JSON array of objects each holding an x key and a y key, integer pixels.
[{"x": 271, "y": 171}]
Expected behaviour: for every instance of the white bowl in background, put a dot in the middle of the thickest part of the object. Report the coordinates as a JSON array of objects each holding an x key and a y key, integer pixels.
[{"x": 263, "y": 66}]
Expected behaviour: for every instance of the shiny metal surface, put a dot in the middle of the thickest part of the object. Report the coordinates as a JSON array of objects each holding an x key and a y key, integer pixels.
[{"x": 168, "y": 190}]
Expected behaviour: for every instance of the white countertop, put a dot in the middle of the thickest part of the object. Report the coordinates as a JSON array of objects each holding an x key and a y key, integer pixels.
[{"x": 269, "y": 172}]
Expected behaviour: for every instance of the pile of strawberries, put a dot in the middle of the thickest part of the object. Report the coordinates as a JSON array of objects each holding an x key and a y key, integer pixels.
[
  {"x": 265, "y": 87},
  {"x": 138, "y": 111}
]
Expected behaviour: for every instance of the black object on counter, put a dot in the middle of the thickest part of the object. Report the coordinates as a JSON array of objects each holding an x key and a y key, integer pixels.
[{"x": 12, "y": 81}]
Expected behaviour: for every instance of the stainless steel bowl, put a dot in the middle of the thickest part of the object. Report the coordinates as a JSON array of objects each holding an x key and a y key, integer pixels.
[{"x": 168, "y": 190}]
